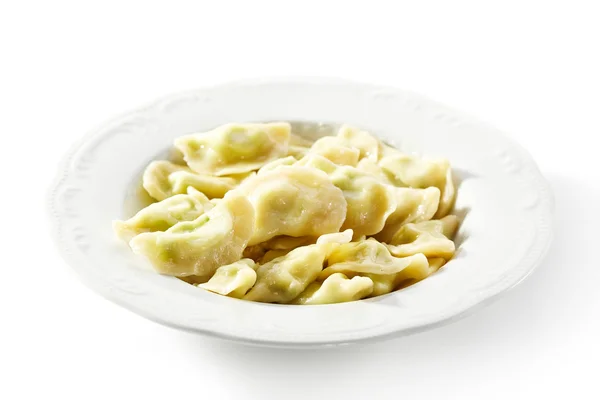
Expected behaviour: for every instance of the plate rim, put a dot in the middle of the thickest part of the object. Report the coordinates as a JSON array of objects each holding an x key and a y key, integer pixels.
[{"x": 63, "y": 172}]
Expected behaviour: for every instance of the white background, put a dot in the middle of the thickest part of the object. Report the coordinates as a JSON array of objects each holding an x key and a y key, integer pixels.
[{"x": 530, "y": 68}]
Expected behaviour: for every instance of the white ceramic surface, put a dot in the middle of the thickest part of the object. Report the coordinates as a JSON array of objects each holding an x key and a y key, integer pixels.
[{"x": 506, "y": 203}]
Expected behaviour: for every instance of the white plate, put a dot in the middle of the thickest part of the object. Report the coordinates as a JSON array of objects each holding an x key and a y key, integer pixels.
[{"x": 506, "y": 203}]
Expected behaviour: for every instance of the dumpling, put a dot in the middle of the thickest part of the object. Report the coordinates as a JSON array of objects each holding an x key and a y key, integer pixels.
[
  {"x": 270, "y": 255},
  {"x": 413, "y": 205},
  {"x": 337, "y": 288},
  {"x": 330, "y": 239},
  {"x": 163, "y": 179},
  {"x": 383, "y": 284},
  {"x": 432, "y": 238},
  {"x": 284, "y": 278},
  {"x": 331, "y": 148},
  {"x": 340, "y": 237},
  {"x": 235, "y": 148},
  {"x": 294, "y": 201},
  {"x": 368, "y": 257},
  {"x": 348, "y": 147},
  {"x": 370, "y": 202},
  {"x": 420, "y": 173},
  {"x": 288, "y": 242},
  {"x": 164, "y": 214},
  {"x": 232, "y": 280},
  {"x": 374, "y": 169},
  {"x": 199, "y": 247},
  {"x": 289, "y": 160}
]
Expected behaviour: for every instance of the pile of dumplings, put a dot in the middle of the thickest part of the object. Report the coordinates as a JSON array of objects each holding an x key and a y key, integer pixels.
[{"x": 259, "y": 213}]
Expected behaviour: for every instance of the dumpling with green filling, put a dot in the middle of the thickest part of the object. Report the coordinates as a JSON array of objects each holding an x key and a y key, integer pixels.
[
  {"x": 164, "y": 214},
  {"x": 232, "y": 280},
  {"x": 284, "y": 278},
  {"x": 163, "y": 179},
  {"x": 415, "y": 272},
  {"x": 348, "y": 147},
  {"x": 415, "y": 172},
  {"x": 370, "y": 201},
  {"x": 199, "y": 247},
  {"x": 294, "y": 201},
  {"x": 432, "y": 238},
  {"x": 337, "y": 288},
  {"x": 367, "y": 257},
  {"x": 235, "y": 148},
  {"x": 289, "y": 160},
  {"x": 412, "y": 205}
]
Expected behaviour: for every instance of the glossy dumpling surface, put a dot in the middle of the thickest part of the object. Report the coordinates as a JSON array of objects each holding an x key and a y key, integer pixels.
[
  {"x": 199, "y": 247},
  {"x": 235, "y": 148},
  {"x": 232, "y": 280},
  {"x": 368, "y": 256},
  {"x": 337, "y": 288},
  {"x": 163, "y": 179},
  {"x": 284, "y": 278},
  {"x": 348, "y": 147},
  {"x": 412, "y": 205},
  {"x": 417, "y": 172},
  {"x": 294, "y": 201},
  {"x": 164, "y": 214},
  {"x": 431, "y": 238},
  {"x": 370, "y": 201}
]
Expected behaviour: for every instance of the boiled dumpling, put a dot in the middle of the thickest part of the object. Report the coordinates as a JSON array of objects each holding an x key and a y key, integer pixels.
[
  {"x": 288, "y": 242},
  {"x": 413, "y": 205},
  {"x": 374, "y": 169},
  {"x": 432, "y": 238},
  {"x": 370, "y": 202},
  {"x": 348, "y": 147},
  {"x": 285, "y": 274},
  {"x": 415, "y": 272},
  {"x": 340, "y": 237},
  {"x": 416, "y": 172},
  {"x": 163, "y": 179},
  {"x": 294, "y": 201},
  {"x": 284, "y": 278},
  {"x": 331, "y": 148},
  {"x": 337, "y": 288},
  {"x": 368, "y": 257},
  {"x": 232, "y": 280},
  {"x": 235, "y": 148},
  {"x": 289, "y": 160},
  {"x": 164, "y": 214},
  {"x": 211, "y": 186},
  {"x": 199, "y": 247}
]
